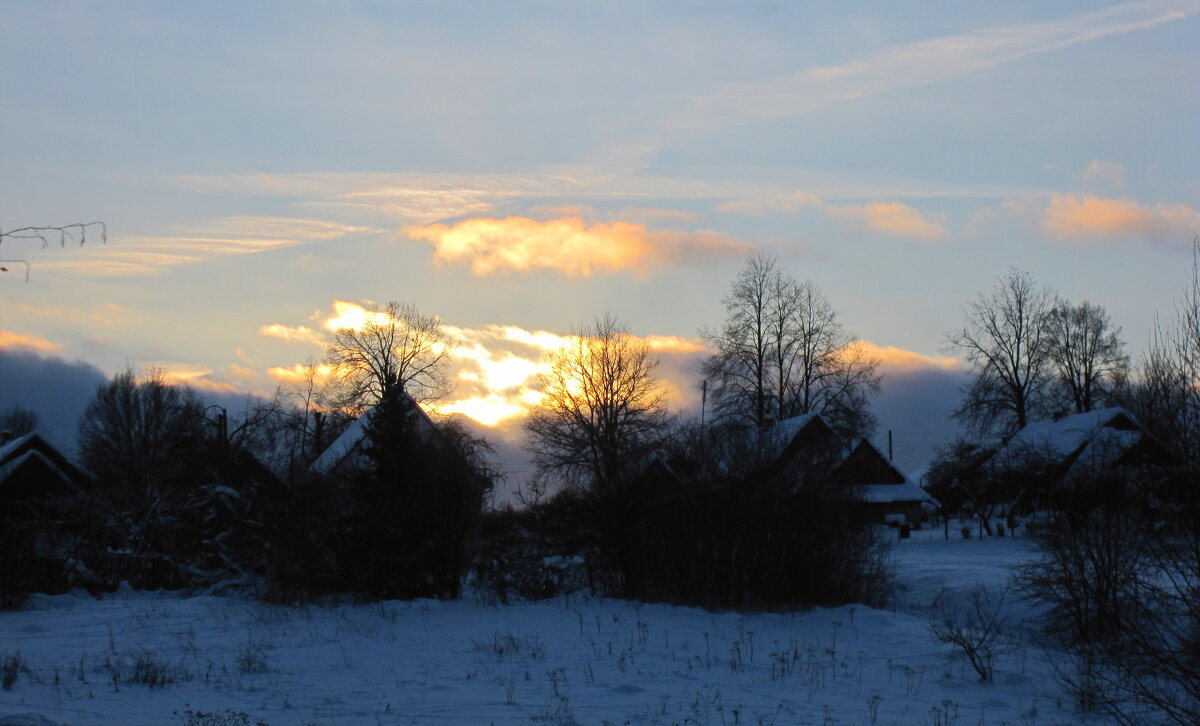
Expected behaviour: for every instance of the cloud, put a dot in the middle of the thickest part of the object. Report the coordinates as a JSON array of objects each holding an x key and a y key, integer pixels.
[
  {"x": 891, "y": 218},
  {"x": 104, "y": 314},
  {"x": 9, "y": 339},
  {"x": 54, "y": 389},
  {"x": 897, "y": 359},
  {"x": 1078, "y": 218},
  {"x": 187, "y": 374},
  {"x": 297, "y": 334},
  {"x": 139, "y": 255},
  {"x": 914, "y": 64},
  {"x": 1105, "y": 172},
  {"x": 321, "y": 373},
  {"x": 567, "y": 245},
  {"x": 654, "y": 214},
  {"x": 774, "y": 204},
  {"x": 494, "y": 368}
]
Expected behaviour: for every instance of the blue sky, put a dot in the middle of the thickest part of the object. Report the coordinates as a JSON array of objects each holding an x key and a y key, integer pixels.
[{"x": 528, "y": 166}]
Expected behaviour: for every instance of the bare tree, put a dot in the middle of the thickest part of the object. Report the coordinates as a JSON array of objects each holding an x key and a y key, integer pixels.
[
  {"x": 781, "y": 352},
  {"x": 603, "y": 407},
  {"x": 1006, "y": 339},
  {"x": 395, "y": 347},
  {"x": 17, "y": 421},
  {"x": 1086, "y": 354},
  {"x": 740, "y": 371},
  {"x": 139, "y": 439},
  {"x": 65, "y": 233}
]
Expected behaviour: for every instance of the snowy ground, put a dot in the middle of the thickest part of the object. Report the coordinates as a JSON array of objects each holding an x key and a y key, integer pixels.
[{"x": 572, "y": 660}]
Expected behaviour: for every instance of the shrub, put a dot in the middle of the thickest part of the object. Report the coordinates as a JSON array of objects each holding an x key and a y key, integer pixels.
[
  {"x": 216, "y": 718},
  {"x": 11, "y": 666},
  {"x": 977, "y": 632}
]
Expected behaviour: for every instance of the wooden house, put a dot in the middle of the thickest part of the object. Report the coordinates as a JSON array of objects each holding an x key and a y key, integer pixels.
[
  {"x": 1071, "y": 449},
  {"x": 885, "y": 493}
]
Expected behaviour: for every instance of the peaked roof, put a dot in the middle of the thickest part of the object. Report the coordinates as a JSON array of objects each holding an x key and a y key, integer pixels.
[
  {"x": 1095, "y": 439},
  {"x": 32, "y": 446},
  {"x": 878, "y": 479},
  {"x": 348, "y": 447},
  {"x": 783, "y": 438}
]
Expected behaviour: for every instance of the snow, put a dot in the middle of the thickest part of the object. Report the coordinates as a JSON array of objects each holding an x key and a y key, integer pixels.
[
  {"x": 1058, "y": 439},
  {"x": 7, "y": 449},
  {"x": 573, "y": 660},
  {"x": 909, "y": 491},
  {"x": 776, "y": 438}
]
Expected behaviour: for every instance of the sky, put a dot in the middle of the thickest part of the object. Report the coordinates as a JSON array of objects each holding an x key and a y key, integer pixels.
[{"x": 268, "y": 169}]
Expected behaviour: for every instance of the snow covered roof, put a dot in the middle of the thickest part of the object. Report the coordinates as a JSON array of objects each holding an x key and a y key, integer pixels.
[
  {"x": 23, "y": 449},
  {"x": 1107, "y": 433},
  {"x": 17, "y": 444},
  {"x": 885, "y": 492},
  {"x": 909, "y": 491},
  {"x": 775, "y": 440},
  {"x": 349, "y": 445}
]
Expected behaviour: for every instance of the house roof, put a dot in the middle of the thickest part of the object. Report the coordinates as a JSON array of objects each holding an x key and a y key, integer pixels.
[
  {"x": 24, "y": 450},
  {"x": 348, "y": 447},
  {"x": 1088, "y": 440},
  {"x": 879, "y": 482}
]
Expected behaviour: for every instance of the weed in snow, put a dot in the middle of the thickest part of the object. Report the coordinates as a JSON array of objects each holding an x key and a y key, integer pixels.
[{"x": 10, "y": 666}]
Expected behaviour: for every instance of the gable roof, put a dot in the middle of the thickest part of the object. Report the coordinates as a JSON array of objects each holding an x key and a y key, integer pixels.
[
  {"x": 1092, "y": 440},
  {"x": 784, "y": 439},
  {"x": 31, "y": 449},
  {"x": 878, "y": 480},
  {"x": 347, "y": 449}
]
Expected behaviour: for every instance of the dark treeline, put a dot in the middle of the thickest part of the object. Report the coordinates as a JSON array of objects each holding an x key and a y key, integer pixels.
[{"x": 345, "y": 485}]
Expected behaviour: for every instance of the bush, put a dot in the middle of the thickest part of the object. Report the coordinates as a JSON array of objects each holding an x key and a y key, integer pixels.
[
  {"x": 1120, "y": 574},
  {"x": 216, "y": 718},
  {"x": 11, "y": 666},
  {"x": 745, "y": 544},
  {"x": 977, "y": 631},
  {"x": 529, "y": 555}
]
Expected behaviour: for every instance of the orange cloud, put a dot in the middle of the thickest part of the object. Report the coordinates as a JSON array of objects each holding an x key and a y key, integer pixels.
[
  {"x": 893, "y": 218},
  {"x": 901, "y": 359},
  {"x": 568, "y": 245},
  {"x": 185, "y": 374},
  {"x": 242, "y": 371},
  {"x": 9, "y": 339},
  {"x": 298, "y": 334},
  {"x": 299, "y": 373},
  {"x": 1076, "y": 218}
]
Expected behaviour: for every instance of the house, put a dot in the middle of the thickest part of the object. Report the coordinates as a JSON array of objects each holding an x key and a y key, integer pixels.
[
  {"x": 349, "y": 450},
  {"x": 38, "y": 484},
  {"x": 1071, "y": 448},
  {"x": 799, "y": 448},
  {"x": 35, "y": 478},
  {"x": 804, "y": 450},
  {"x": 887, "y": 495}
]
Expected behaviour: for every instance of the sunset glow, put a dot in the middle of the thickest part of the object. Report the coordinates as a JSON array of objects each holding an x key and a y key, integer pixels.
[{"x": 517, "y": 171}]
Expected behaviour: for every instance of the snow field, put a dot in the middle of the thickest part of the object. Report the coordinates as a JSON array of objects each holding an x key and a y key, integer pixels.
[{"x": 149, "y": 658}]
